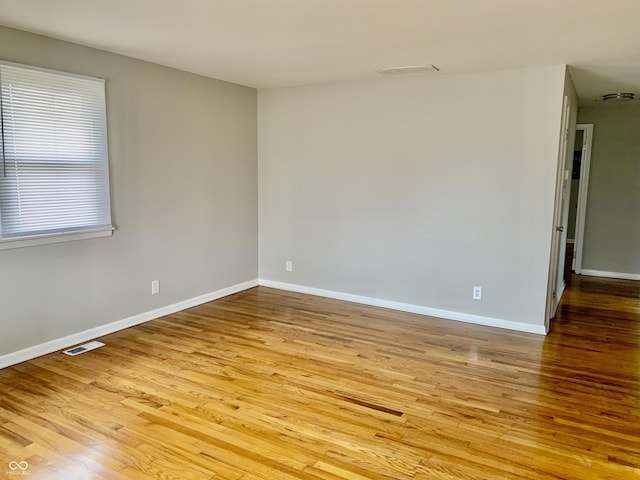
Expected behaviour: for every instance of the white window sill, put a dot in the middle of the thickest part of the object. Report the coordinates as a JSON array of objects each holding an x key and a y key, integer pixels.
[{"x": 8, "y": 243}]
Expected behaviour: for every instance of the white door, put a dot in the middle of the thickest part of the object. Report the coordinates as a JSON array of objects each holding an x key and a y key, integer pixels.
[{"x": 560, "y": 216}]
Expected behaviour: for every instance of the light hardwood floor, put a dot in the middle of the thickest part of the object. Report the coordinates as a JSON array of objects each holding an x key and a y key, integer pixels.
[{"x": 267, "y": 384}]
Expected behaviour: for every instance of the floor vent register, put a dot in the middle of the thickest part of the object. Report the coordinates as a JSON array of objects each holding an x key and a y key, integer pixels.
[{"x": 83, "y": 348}]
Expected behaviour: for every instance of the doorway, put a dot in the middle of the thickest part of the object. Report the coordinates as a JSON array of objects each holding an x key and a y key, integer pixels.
[{"x": 578, "y": 200}]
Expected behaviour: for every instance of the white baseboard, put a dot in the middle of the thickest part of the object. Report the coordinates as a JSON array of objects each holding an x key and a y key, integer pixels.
[
  {"x": 600, "y": 273},
  {"x": 407, "y": 307},
  {"x": 70, "y": 340}
]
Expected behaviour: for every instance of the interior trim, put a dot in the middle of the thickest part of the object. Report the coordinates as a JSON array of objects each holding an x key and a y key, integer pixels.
[
  {"x": 407, "y": 307},
  {"x": 80, "y": 337}
]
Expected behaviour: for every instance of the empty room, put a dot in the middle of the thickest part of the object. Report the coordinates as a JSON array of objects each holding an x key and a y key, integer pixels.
[{"x": 325, "y": 240}]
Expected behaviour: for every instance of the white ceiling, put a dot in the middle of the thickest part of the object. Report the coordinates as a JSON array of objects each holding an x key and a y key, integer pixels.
[{"x": 272, "y": 43}]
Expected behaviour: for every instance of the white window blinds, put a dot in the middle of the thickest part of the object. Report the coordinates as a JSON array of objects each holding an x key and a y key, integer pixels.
[{"x": 53, "y": 164}]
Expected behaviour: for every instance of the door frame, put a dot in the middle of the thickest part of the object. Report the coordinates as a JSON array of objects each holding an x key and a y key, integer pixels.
[{"x": 583, "y": 189}]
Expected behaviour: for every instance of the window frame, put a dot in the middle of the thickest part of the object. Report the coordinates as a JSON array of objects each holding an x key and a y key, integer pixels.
[{"x": 70, "y": 234}]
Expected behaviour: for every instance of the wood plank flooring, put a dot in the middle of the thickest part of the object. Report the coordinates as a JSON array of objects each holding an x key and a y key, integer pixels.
[{"x": 267, "y": 384}]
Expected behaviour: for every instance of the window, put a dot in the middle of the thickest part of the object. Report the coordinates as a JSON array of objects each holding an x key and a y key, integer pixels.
[{"x": 54, "y": 180}]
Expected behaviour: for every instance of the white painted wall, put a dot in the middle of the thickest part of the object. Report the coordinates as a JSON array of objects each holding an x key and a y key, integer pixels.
[
  {"x": 183, "y": 162},
  {"x": 414, "y": 189}
]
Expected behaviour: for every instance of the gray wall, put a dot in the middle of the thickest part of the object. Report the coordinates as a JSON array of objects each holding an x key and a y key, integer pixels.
[
  {"x": 183, "y": 162},
  {"x": 414, "y": 189},
  {"x": 612, "y": 225}
]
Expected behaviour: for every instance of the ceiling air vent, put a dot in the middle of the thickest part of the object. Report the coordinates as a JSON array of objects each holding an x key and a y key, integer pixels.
[{"x": 408, "y": 70}]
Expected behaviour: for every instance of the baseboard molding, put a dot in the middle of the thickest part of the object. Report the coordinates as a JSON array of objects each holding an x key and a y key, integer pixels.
[
  {"x": 600, "y": 273},
  {"x": 407, "y": 307},
  {"x": 80, "y": 337}
]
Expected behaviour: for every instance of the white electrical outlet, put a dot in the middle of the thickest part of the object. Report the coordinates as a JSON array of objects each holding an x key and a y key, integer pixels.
[
  {"x": 288, "y": 266},
  {"x": 477, "y": 293},
  {"x": 155, "y": 287}
]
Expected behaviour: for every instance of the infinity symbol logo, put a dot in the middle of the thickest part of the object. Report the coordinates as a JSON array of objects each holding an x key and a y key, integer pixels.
[{"x": 18, "y": 465}]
